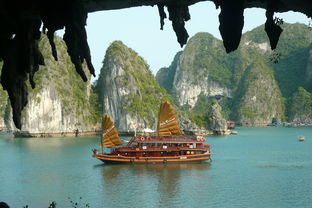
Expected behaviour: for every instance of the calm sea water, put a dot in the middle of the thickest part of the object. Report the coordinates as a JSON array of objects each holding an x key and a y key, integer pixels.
[{"x": 259, "y": 167}]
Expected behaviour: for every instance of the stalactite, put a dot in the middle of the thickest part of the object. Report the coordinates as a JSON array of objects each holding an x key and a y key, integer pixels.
[
  {"x": 231, "y": 20},
  {"x": 162, "y": 15},
  {"x": 271, "y": 28},
  {"x": 73, "y": 18},
  {"x": 19, "y": 44},
  {"x": 19, "y": 51},
  {"x": 75, "y": 38},
  {"x": 178, "y": 14}
]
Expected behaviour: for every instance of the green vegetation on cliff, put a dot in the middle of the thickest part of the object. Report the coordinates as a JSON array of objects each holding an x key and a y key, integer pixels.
[
  {"x": 165, "y": 76},
  {"x": 203, "y": 55},
  {"x": 76, "y": 96},
  {"x": 3, "y": 97},
  {"x": 258, "y": 98},
  {"x": 134, "y": 83},
  {"x": 301, "y": 106},
  {"x": 260, "y": 88},
  {"x": 63, "y": 83}
]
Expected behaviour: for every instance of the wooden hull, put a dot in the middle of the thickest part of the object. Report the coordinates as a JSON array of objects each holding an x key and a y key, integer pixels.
[{"x": 168, "y": 159}]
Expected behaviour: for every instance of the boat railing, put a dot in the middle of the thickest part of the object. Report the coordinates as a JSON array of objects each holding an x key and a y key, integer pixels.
[
  {"x": 161, "y": 148},
  {"x": 187, "y": 139}
]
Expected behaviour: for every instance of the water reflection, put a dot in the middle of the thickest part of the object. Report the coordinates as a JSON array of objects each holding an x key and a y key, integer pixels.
[{"x": 149, "y": 184}]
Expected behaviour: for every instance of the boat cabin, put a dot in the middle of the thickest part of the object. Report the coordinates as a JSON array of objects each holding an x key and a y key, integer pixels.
[{"x": 156, "y": 146}]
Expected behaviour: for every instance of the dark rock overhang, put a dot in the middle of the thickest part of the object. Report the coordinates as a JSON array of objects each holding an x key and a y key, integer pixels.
[{"x": 21, "y": 23}]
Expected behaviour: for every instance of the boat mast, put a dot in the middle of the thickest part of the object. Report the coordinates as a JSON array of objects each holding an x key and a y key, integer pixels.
[{"x": 157, "y": 130}]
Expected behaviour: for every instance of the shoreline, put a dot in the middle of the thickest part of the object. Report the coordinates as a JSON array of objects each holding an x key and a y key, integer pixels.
[
  {"x": 56, "y": 134},
  {"x": 68, "y": 134},
  {"x": 27, "y": 134}
]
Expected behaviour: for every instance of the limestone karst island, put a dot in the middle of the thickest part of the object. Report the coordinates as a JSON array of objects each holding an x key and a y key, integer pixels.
[{"x": 208, "y": 88}]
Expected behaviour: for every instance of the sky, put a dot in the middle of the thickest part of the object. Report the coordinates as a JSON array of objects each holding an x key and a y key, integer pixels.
[{"x": 139, "y": 29}]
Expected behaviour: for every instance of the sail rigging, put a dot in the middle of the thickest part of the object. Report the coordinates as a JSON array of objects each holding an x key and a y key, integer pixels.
[
  {"x": 168, "y": 124},
  {"x": 110, "y": 135}
]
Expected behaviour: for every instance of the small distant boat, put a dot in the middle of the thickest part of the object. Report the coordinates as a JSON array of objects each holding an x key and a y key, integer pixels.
[
  {"x": 168, "y": 145},
  {"x": 301, "y": 138}
]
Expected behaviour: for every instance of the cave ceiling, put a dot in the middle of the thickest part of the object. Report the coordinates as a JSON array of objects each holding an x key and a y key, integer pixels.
[{"x": 23, "y": 21}]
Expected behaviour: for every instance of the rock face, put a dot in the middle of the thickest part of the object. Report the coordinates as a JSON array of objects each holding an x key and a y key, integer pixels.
[
  {"x": 3, "y": 105},
  {"x": 246, "y": 83},
  {"x": 128, "y": 90},
  {"x": 60, "y": 103},
  {"x": 196, "y": 71},
  {"x": 258, "y": 97},
  {"x": 301, "y": 107},
  {"x": 217, "y": 122},
  {"x": 5, "y": 110}
]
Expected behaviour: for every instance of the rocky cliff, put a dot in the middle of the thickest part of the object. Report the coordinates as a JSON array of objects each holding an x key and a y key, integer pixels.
[
  {"x": 128, "y": 90},
  {"x": 258, "y": 97},
  {"x": 3, "y": 104},
  {"x": 217, "y": 122},
  {"x": 248, "y": 83},
  {"x": 301, "y": 107},
  {"x": 293, "y": 69},
  {"x": 60, "y": 103},
  {"x": 198, "y": 70}
]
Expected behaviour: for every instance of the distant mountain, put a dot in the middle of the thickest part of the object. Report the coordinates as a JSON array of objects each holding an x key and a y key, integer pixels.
[
  {"x": 251, "y": 89},
  {"x": 61, "y": 101},
  {"x": 128, "y": 90}
]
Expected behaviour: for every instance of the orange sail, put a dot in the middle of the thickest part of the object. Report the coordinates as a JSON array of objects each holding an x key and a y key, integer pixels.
[
  {"x": 168, "y": 124},
  {"x": 110, "y": 135}
]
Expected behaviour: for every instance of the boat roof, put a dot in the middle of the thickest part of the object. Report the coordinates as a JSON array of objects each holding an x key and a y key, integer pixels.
[{"x": 168, "y": 139}]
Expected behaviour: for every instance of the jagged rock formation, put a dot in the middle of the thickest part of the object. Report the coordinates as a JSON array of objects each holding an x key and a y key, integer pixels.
[
  {"x": 128, "y": 90},
  {"x": 196, "y": 71},
  {"x": 3, "y": 104},
  {"x": 60, "y": 103},
  {"x": 217, "y": 122},
  {"x": 21, "y": 22},
  {"x": 258, "y": 98},
  {"x": 239, "y": 81},
  {"x": 301, "y": 107}
]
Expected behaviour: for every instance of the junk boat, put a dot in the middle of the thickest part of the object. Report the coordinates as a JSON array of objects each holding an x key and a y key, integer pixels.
[{"x": 169, "y": 145}]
